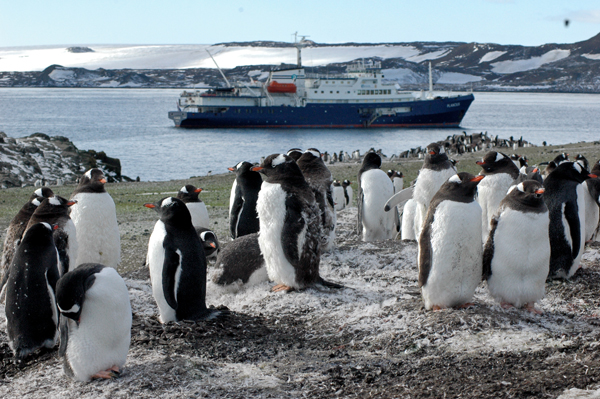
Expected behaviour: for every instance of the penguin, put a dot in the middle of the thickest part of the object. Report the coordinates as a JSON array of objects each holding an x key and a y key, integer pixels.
[
  {"x": 295, "y": 153},
  {"x": 450, "y": 247},
  {"x": 565, "y": 198},
  {"x": 16, "y": 228},
  {"x": 347, "y": 191},
  {"x": 583, "y": 162},
  {"x": 529, "y": 173},
  {"x": 397, "y": 178},
  {"x": 436, "y": 169},
  {"x": 95, "y": 327},
  {"x": 374, "y": 189},
  {"x": 189, "y": 195},
  {"x": 241, "y": 262},
  {"x": 290, "y": 225},
  {"x": 500, "y": 173},
  {"x": 564, "y": 157},
  {"x": 592, "y": 211},
  {"x": 243, "y": 218},
  {"x": 31, "y": 313},
  {"x": 95, "y": 218},
  {"x": 319, "y": 178},
  {"x": 339, "y": 196},
  {"x": 407, "y": 223},
  {"x": 596, "y": 169},
  {"x": 516, "y": 256},
  {"x": 177, "y": 264},
  {"x": 209, "y": 241},
  {"x": 55, "y": 211}
]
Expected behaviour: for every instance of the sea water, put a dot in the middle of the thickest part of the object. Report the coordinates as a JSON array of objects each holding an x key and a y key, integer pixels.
[{"x": 132, "y": 125}]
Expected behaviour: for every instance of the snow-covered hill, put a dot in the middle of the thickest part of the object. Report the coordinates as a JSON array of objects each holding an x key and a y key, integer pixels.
[{"x": 551, "y": 67}]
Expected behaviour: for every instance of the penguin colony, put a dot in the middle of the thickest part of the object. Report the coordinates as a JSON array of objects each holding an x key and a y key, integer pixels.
[{"x": 512, "y": 226}]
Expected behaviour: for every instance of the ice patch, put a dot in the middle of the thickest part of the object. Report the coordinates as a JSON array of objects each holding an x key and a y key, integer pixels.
[{"x": 531, "y": 63}]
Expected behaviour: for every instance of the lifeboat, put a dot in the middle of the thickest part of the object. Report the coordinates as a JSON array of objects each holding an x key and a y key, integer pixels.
[{"x": 275, "y": 87}]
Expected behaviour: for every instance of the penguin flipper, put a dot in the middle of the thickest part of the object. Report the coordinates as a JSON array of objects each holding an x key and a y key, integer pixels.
[
  {"x": 295, "y": 224},
  {"x": 329, "y": 284},
  {"x": 359, "y": 205},
  {"x": 399, "y": 198},
  {"x": 171, "y": 264},
  {"x": 425, "y": 251},
  {"x": 488, "y": 250},
  {"x": 236, "y": 208},
  {"x": 64, "y": 335},
  {"x": 572, "y": 217}
]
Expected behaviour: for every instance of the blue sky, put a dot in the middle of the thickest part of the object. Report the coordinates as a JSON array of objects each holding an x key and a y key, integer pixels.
[{"x": 525, "y": 22}]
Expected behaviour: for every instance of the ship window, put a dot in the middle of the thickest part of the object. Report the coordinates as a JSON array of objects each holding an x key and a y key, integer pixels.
[
  {"x": 337, "y": 92},
  {"x": 321, "y": 91},
  {"x": 371, "y": 91},
  {"x": 330, "y": 92},
  {"x": 315, "y": 92},
  {"x": 348, "y": 91}
]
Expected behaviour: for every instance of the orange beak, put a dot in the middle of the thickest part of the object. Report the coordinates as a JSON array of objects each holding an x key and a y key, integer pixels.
[
  {"x": 540, "y": 191},
  {"x": 535, "y": 170},
  {"x": 151, "y": 206},
  {"x": 478, "y": 178},
  {"x": 212, "y": 244},
  {"x": 197, "y": 190},
  {"x": 55, "y": 227},
  {"x": 431, "y": 152},
  {"x": 480, "y": 163},
  {"x": 231, "y": 169},
  {"x": 71, "y": 203},
  {"x": 257, "y": 168},
  {"x": 103, "y": 181},
  {"x": 592, "y": 176}
]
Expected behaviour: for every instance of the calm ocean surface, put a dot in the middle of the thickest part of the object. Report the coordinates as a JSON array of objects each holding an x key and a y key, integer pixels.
[{"x": 132, "y": 124}]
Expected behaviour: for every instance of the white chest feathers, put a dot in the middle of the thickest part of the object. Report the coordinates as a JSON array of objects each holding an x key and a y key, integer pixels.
[
  {"x": 456, "y": 255},
  {"x": 271, "y": 210},
  {"x": 102, "y": 338},
  {"x": 155, "y": 261},
  {"x": 339, "y": 198},
  {"x": 199, "y": 214},
  {"x": 377, "y": 188},
  {"x": 98, "y": 238},
  {"x": 490, "y": 192},
  {"x": 521, "y": 258},
  {"x": 427, "y": 185}
]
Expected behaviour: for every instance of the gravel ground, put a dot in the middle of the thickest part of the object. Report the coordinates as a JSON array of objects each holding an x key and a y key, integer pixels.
[{"x": 370, "y": 339}]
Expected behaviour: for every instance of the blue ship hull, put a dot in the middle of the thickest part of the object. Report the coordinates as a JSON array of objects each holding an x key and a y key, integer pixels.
[{"x": 436, "y": 113}]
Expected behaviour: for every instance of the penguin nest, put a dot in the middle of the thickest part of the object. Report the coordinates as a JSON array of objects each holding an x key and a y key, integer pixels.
[{"x": 373, "y": 338}]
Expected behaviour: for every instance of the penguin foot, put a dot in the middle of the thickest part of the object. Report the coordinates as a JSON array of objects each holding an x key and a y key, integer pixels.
[
  {"x": 437, "y": 308},
  {"x": 106, "y": 374},
  {"x": 282, "y": 287},
  {"x": 465, "y": 305},
  {"x": 530, "y": 307},
  {"x": 506, "y": 305}
]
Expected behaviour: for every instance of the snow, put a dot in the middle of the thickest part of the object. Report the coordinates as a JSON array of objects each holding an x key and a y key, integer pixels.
[
  {"x": 531, "y": 63},
  {"x": 457, "y": 78},
  {"x": 428, "y": 56},
  {"x": 592, "y": 56},
  {"x": 402, "y": 75},
  {"x": 492, "y": 55}
]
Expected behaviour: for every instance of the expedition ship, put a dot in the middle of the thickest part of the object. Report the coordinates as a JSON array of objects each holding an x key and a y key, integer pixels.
[{"x": 291, "y": 98}]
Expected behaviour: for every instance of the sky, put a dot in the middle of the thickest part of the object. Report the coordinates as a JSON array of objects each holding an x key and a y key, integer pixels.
[{"x": 72, "y": 22}]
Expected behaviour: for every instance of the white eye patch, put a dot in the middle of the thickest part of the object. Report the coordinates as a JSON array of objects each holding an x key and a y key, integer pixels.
[
  {"x": 54, "y": 201},
  {"x": 36, "y": 202},
  {"x": 46, "y": 225},
  {"x": 315, "y": 153},
  {"x": 239, "y": 165},
  {"x": 38, "y": 192},
  {"x": 166, "y": 202},
  {"x": 88, "y": 174},
  {"x": 184, "y": 190},
  {"x": 577, "y": 167},
  {"x": 520, "y": 187},
  {"x": 278, "y": 161},
  {"x": 442, "y": 151},
  {"x": 455, "y": 179},
  {"x": 499, "y": 156},
  {"x": 74, "y": 309}
]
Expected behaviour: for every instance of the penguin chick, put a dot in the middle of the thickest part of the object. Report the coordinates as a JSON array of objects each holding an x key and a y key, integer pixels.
[
  {"x": 95, "y": 328},
  {"x": 450, "y": 247},
  {"x": 31, "y": 313},
  {"x": 516, "y": 256},
  {"x": 177, "y": 264},
  {"x": 95, "y": 218},
  {"x": 189, "y": 195},
  {"x": 241, "y": 262}
]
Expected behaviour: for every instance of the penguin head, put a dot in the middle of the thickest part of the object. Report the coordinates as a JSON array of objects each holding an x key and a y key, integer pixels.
[
  {"x": 55, "y": 205},
  {"x": 295, "y": 153},
  {"x": 391, "y": 173},
  {"x": 189, "y": 193},
  {"x": 462, "y": 186},
  {"x": 435, "y": 153},
  {"x": 242, "y": 166},
  {"x": 41, "y": 193},
  {"x": 336, "y": 183},
  {"x": 71, "y": 289},
  {"x": 550, "y": 168},
  {"x": 209, "y": 242},
  {"x": 371, "y": 160},
  {"x": 572, "y": 171},
  {"x": 346, "y": 183},
  {"x": 93, "y": 181},
  {"x": 310, "y": 156},
  {"x": 278, "y": 167},
  {"x": 564, "y": 157},
  {"x": 528, "y": 193},
  {"x": 583, "y": 162},
  {"x": 172, "y": 211},
  {"x": 495, "y": 162}
]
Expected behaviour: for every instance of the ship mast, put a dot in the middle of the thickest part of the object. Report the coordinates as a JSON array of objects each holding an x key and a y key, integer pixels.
[
  {"x": 222, "y": 74},
  {"x": 299, "y": 45}
]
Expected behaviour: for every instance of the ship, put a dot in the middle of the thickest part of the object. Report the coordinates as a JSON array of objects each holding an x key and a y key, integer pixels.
[{"x": 292, "y": 98}]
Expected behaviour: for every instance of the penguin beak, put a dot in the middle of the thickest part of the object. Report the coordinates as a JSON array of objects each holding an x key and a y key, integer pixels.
[
  {"x": 540, "y": 191},
  {"x": 71, "y": 203},
  {"x": 257, "y": 168},
  {"x": 431, "y": 152},
  {"x": 212, "y": 244},
  {"x": 197, "y": 190},
  {"x": 592, "y": 176},
  {"x": 231, "y": 169},
  {"x": 480, "y": 163},
  {"x": 477, "y": 178},
  {"x": 103, "y": 181},
  {"x": 535, "y": 170},
  {"x": 54, "y": 227},
  {"x": 151, "y": 206}
]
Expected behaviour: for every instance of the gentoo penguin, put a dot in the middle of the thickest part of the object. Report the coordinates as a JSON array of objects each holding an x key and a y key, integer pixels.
[
  {"x": 339, "y": 196},
  {"x": 583, "y": 162},
  {"x": 592, "y": 210},
  {"x": 55, "y": 211},
  {"x": 554, "y": 163},
  {"x": 450, "y": 247},
  {"x": 529, "y": 173},
  {"x": 95, "y": 327},
  {"x": 516, "y": 256},
  {"x": 295, "y": 153},
  {"x": 177, "y": 264},
  {"x": 31, "y": 314},
  {"x": 290, "y": 225},
  {"x": 407, "y": 223},
  {"x": 16, "y": 228},
  {"x": 95, "y": 217},
  {"x": 319, "y": 178},
  {"x": 209, "y": 242},
  {"x": 436, "y": 169},
  {"x": 241, "y": 262},
  {"x": 500, "y": 173},
  {"x": 565, "y": 198},
  {"x": 347, "y": 191},
  {"x": 243, "y": 218},
  {"x": 189, "y": 195},
  {"x": 519, "y": 160},
  {"x": 374, "y": 189},
  {"x": 397, "y": 178}
]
